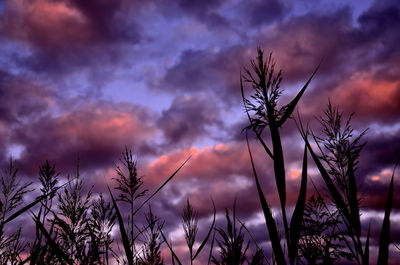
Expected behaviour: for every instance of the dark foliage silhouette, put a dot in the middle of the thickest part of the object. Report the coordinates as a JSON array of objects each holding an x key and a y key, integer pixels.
[
  {"x": 321, "y": 240},
  {"x": 74, "y": 226},
  {"x": 233, "y": 248},
  {"x": 152, "y": 245},
  {"x": 11, "y": 197},
  {"x": 263, "y": 111}
]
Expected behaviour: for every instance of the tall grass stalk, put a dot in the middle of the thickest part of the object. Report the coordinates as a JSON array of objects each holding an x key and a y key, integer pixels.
[
  {"x": 130, "y": 189},
  {"x": 337, "y": 165},
  {"x": 263, "y": 112},
  {"x": 12, "y": 192},
  {"x": 189, "y": 224}
]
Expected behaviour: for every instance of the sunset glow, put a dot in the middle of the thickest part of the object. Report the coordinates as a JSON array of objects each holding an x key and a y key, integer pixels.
[{"x": 87, "y": 79}]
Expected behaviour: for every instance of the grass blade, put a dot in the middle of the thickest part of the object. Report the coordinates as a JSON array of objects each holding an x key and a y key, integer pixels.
[
  {"x": 208, "y": 234},
  {"x": 336, "y": 196},
  {"x": 384, "y": 239},
  {"x": 396, "y": 246},
  {"x": 271, "y": 226},
  {"x": 57, "y": 250},
  {"x": 124, "y": 235},
  {"x": 265, "y": 146},
  {"x": 24, "y": 209},
  {"x": 297, "y": 217},
  {"x": 252, "y": 238},
  {"x": 279, "y": 170},
  {"x": 211, "y": 248},
  {"x": 291, "y": 106},
  {"x": 27, "y": 207},
  {"x": 159, "y": 188},
  {"x": 354, "y": 205},
  {"x": 174, "y": 256},
  {"x": 365, "y": 258}
]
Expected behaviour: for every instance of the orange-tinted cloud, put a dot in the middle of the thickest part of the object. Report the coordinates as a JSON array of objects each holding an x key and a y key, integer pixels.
[
  {"x": 369, "y": 96},
  {"x": 96, "y": 133}
]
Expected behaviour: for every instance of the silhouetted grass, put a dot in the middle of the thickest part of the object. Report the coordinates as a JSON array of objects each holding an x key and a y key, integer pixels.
[
  {"x": 232, "y": 245},
  {"x": 72, "y": 226},
  {"x": 339, "y": 154},
  {"x": 189, "y": 225},
  {"x": 263, "y": 112}
]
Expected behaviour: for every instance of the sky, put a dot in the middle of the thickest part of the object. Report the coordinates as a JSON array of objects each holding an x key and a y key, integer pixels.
[{"x": 87, "y": 78}]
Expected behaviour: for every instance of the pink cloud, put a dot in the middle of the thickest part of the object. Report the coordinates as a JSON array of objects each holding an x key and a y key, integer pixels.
[
  {"x": 97, "y": 133},
  {"x": 368, "y": 95},
  {"x": 46, "y": 24}
]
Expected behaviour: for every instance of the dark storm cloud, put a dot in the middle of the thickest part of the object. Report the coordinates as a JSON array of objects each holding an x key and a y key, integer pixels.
[
  {"x": 108, "y": 20},
  {"x": 385, "y": 147},
  {"x": 382, "y": 152},
  {"x": 188, "y": 118},
  {"x": 216, "y": 72},
  {"x": 264, "y": 12},
  {"x": 204, "y": 11},
  {"x": 199, "y": 7},
  {"x": 300, "y": 43},
  {"x": 21, "y": 99},
  {"x": 378, "y": 24},
  {"x": 249, "y": 13}
]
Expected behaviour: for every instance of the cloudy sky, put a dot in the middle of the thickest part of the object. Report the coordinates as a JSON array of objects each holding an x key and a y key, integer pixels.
[{"x": 87, "y": 78}]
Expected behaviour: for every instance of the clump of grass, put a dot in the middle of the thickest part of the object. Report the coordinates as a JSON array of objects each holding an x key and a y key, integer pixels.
[
  {"x": 102, "y": 223},
  {"x": 72, "y": 222},
  {"x": 152, "y": 245},
  {"x": 79, "y": 231},
  {"x": 263, "y": 111},
  {"x": 130, "y": 189},
  {"x": 337, "y": 165},
  {"x": 12, "y": 192},
  {"x": 321, "y": 240},
  {"x": 189, "y": 224},
  {"x": 48, "y": 179},
  {"x": 233, "y": 248}
]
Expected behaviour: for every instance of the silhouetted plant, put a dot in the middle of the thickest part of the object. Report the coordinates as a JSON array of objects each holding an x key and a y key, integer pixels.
[
  {"x": 321, "y": 241},
  {"x": 337, "y": 164},
  {"x": 152, "y": 244},
  {"x": 129, "y": 185},
  {"x": 130, "y": 190},
  {"x": 48, "y": 179},
  {"x": 232, "y": 245},
  {"x": 72, "y": 220},
  {"x": 12, "y": 192},
  {"x": 190, "y": 219},
  {"x": 12, "y": 248},
  {"x": 263, "y": 111},
  {"x": 101, "y": 223},
  {"x": 340, "y": 150},
  {"x": 189, "y": 223}
]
